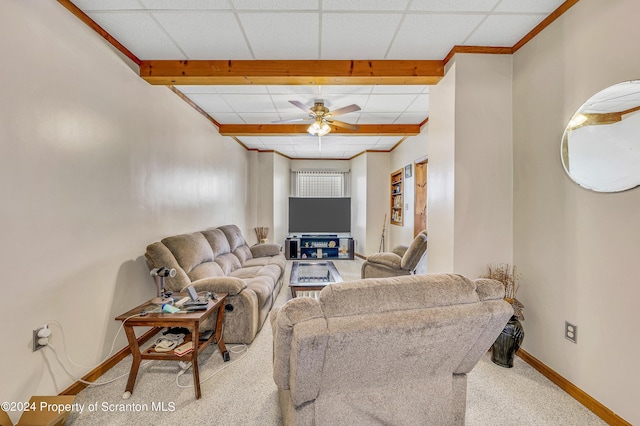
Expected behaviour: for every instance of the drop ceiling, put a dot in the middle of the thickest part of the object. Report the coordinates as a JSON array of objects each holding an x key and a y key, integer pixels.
[{"x": 313, "y": 30}]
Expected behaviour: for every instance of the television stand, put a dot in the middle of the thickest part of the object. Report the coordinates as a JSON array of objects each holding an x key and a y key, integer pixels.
[{"x": 319, "y": 246}]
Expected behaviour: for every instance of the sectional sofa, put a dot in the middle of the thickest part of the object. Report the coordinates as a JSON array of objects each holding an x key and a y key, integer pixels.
[{"x": 219, "y": 260}]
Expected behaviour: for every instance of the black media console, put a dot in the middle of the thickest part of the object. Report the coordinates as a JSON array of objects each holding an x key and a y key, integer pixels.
[{"x": 319, "y": 246}]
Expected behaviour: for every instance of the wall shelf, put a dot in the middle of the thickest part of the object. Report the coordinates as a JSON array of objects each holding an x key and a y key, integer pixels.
[{"x": 397, "y": 200}]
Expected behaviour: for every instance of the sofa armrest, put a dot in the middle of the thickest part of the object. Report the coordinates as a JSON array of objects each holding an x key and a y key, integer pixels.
[
  {"x": 488, "y": 289},
  {"x": 389, "y": 259},
  {"x": 229, "y": 285},
  {"x": 400, "y": 250},
  {"x": 283, "y": 320},
  {"x": 264, "y": 250}
]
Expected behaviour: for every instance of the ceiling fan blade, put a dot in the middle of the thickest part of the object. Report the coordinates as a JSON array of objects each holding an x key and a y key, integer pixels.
[
  {"x": 301, "y": 106},
  {"x": 293, "y": 120},
  {"x": 344, "y": 110},
  {"x": 343, "y": 124}
]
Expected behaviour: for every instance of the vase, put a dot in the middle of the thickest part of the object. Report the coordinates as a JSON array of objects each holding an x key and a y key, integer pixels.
[{"x": 506, "y": 345}]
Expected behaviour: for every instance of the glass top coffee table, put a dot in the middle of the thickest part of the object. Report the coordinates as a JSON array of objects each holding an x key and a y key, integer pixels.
[{"x": 312, "y": 276}]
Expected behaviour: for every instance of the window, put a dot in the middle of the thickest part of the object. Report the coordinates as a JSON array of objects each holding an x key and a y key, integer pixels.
[{"x": 321, "y": 184}]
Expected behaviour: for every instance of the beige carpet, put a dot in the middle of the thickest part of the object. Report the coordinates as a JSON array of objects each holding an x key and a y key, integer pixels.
[{"x": 242, "y": 391}]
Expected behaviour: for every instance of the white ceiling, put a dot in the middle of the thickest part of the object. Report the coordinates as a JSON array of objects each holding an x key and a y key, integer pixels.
[{"x": 313, "y": 29}]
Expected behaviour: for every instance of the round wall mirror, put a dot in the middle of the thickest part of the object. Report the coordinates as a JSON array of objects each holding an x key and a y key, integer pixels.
[{"x": 601, "y": 144}]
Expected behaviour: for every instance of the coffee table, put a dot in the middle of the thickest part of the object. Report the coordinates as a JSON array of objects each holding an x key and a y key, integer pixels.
[
  {"x": 312, "y": 276},
  {"x": 145, "y": 315}
]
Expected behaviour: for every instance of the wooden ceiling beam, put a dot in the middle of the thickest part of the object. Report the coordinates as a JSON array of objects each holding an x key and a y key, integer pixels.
[
  {"x": 298, "y": 129},
  {"x": 294, "y": 72}
]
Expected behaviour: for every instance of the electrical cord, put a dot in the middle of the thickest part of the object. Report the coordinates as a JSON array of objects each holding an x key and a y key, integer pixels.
[
  {"x": 64, "y": 367},
  {"x": 244, "y": 349},
  {"x": 64, "y": 347}
]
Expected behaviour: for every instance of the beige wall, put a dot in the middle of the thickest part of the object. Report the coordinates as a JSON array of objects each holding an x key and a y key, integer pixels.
[
  {"x": 577, "y": 250},
  {"x": 359, "y": 202},
  {"x": 378, "y": 193},
  {"x": 470, "y": 202},
  {"x": 281, "y": 190},
  {"x": 96, "y": 165},
  {"x": 440, "y": 173}
]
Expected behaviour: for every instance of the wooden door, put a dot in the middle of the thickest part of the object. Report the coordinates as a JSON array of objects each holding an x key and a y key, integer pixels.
[{"x": 420, "y": 209}]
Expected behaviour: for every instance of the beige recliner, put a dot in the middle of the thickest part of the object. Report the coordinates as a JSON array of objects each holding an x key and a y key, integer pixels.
[
  {"x": 384, "y": 351},
  {"x": 401, "y": 260}
]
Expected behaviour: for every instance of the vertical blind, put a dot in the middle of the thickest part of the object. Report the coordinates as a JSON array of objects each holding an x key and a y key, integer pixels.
[{"x": 320, "y": 184}]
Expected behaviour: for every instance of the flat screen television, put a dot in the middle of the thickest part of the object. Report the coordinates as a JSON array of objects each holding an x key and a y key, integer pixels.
[{"x": 328, "y": 215}]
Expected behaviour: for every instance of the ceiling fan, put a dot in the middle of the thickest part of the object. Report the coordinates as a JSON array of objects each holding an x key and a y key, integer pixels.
[{"x": 322, "y": 117}]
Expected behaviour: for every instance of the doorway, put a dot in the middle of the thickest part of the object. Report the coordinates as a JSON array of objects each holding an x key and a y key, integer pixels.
[{"x": 420, "y": 196}]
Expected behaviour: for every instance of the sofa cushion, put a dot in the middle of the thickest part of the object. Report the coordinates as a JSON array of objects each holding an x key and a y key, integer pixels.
[
  {"x": 278, "y": 260},
  {"x": 261, "y": 250},
  {"x": 246, "y": 272},
  {"x": 271, "y": 271},
  {"x": 218, "y": 241},
  {"x": 190, "y": 250},
  {"x": 234, "y": 236},
  {"x": 206, "y": 270},
  {"x": 376, "y": 295},
  {"x": 242, "y": 253},
  {"x": 263, "y": 287},
  {"x": 228, "y": 262}
]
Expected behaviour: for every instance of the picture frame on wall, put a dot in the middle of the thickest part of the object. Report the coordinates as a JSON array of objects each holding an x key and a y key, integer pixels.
[{"x": 407, "y": 171}]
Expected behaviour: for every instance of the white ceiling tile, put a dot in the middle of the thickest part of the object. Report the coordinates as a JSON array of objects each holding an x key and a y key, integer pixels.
[
  {"x": 378, "y": 117},
  {"x": 281, "y": 142},
  {"x": 206, "y": 35},
  {"x": 389, "y": 102},
  {"x": 88, "y": 5},
  {"x": 503, "y": 30},
  {"x": 227, "y": 118},
  {"x": 346, "y": 89},
  {"x": 280, "y": 90},
  {"x": 529, "y": 6},
  {"x": 187, "y": 4},
  {"x": 357, "y": 36},
  {"x": 365, "y": 5},
  {"x": 249, "y": 103},
  {"x": 410, "y": 88},
  {"x": 420, "y": 104},
  {"x": 212, "y": 103},
  {"x": 275, "y": 4},
  {"x": 432, "y": 36},
  {"x": 140, "y": 33},
  {"x": 282, "y": 35},
  {"x": 258, "y": 117},
  {"x": 362, "y": 140},
  {"x": 454, "y": 5},
  {"x": 411, "y": 118},
  {"x": 243, "y": 89},
  {"x": 197, "y": 89},
  {"x": 389, "y": 140}
]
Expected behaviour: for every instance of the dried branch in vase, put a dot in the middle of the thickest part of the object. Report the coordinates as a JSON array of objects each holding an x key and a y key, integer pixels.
[
  {"x": 509, "y": 278},
  {"x": 262, "y": 232}
]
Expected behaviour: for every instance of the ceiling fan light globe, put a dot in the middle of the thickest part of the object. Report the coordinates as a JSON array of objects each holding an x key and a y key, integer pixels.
[
  {"x": 324, "y": 129},
  {"x": 314, "y": 128}
]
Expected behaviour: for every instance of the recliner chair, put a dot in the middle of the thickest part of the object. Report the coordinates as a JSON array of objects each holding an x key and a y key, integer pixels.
[
  {"x": 384, "y": 351},
  {"x": 401, "y": 260}
]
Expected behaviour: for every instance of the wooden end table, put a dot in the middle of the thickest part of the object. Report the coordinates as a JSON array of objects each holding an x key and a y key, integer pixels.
[{"x": 136, "y": 318}]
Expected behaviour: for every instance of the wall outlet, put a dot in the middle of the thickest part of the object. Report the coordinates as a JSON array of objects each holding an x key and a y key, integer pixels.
[
  {"x": 41, "y": 337},
  {"x": 571, "y": 332}
]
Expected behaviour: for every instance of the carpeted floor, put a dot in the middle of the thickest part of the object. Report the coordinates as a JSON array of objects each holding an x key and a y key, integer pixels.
[{"x": 242, "y": 391}]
